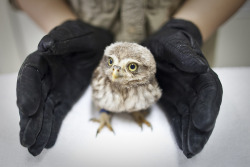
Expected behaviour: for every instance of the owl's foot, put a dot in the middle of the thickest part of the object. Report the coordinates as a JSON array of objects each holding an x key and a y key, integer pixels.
[
  {"x": 139, "y": 118},
  {"x": 104, "y": 120}
]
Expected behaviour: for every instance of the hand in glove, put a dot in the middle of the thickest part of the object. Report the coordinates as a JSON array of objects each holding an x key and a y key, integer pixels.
[
  {"x": 51, "y": 80},
  {"x": 192, "y": 92}
]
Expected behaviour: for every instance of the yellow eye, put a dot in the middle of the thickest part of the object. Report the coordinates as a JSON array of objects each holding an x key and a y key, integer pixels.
[
  {"x": 132, "y": 67},
  {"x": 110, "y": 61}
]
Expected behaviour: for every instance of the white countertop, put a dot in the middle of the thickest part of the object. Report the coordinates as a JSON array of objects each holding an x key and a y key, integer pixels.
[{"x": 77, "y": 145}]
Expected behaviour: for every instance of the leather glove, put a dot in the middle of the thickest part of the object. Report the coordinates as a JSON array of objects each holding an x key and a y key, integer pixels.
[
  {"x": 52, "y": 78},
  {"x": 192, "y": 91}
]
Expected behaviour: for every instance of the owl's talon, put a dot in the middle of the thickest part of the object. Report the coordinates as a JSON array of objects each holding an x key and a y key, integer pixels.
[
  {"x": 140, "y": 120},
  {"x": 97, "y": 132},
  {"x": 110, "y": 127},
  {"x": 94, "y": 120},
  {"x": 140, "y": 125},
  {"x": 103, "y": 121},
  {"x": 148, "y": 124}
]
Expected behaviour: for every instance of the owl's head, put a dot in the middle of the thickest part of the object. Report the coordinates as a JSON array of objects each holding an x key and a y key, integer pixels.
[{"x": 128, "y": 64}]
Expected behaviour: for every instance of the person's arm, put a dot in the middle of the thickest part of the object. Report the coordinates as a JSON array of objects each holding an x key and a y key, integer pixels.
[
  {"x": 47, "y": 13},
  {"x": 208, "y": 15}
]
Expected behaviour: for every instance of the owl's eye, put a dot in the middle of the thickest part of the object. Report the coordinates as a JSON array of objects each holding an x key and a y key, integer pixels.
[
  {"x": 132, "y": 67},
  {"x": 110, "y": 61}
]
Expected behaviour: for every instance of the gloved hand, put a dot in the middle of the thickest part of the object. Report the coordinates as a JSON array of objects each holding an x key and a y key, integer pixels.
[
  {"x": 51, "y": 80},
  {"x": 192, "y": 91}
]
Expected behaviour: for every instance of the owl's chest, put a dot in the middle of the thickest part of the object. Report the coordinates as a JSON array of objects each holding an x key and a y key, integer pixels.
[{"x": 118, "y": 99}]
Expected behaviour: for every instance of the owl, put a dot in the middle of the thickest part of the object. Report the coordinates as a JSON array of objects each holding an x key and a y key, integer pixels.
[{"x": 125, "y": 81}]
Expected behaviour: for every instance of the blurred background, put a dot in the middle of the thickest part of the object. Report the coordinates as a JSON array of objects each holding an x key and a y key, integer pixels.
[{"x": 19, "y": 36}]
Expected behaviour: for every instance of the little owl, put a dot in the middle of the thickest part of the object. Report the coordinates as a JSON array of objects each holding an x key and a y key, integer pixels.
[{"x": 125, "y": 81}]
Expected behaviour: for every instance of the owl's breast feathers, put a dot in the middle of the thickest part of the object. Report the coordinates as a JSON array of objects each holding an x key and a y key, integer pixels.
[{"x": 119, "y": 98}]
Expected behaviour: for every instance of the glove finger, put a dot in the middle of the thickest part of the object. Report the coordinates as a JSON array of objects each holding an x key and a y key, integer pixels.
[
  {"x": 188, "y": 135},
  {"x": 23, "y": 123},
  {"x": 45, "y": 132},
  {"x": 29, "y": 92},
  {"x": 207, "y": 105},
  {"x": 196, "y": 140},
  {"x": 193, "y": 139},
  {"x": 30, "y": 128},
  {"x": 59, "y": 114},
  {"x": 174, "y": 119},
  {"x": 185, "y": 130}
]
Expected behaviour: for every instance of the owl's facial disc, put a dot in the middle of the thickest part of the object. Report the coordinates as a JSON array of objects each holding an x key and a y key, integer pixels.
[{"x": 117, "y": 73}]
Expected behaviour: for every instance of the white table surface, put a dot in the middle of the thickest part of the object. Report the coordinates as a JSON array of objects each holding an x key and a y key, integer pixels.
[{"x": 77, "y": 145}]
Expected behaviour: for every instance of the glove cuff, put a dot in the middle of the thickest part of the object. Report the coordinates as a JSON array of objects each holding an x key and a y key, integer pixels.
[{"x": 187, "y": 26}]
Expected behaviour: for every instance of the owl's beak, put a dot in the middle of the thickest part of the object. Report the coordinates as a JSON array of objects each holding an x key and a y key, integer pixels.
[{"x": 116, "y": 73}]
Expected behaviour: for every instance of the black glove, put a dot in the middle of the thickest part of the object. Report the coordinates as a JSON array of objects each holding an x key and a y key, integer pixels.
[
  {"x": 192, "y": 92},
  {"x": 54, "y": 77}
]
